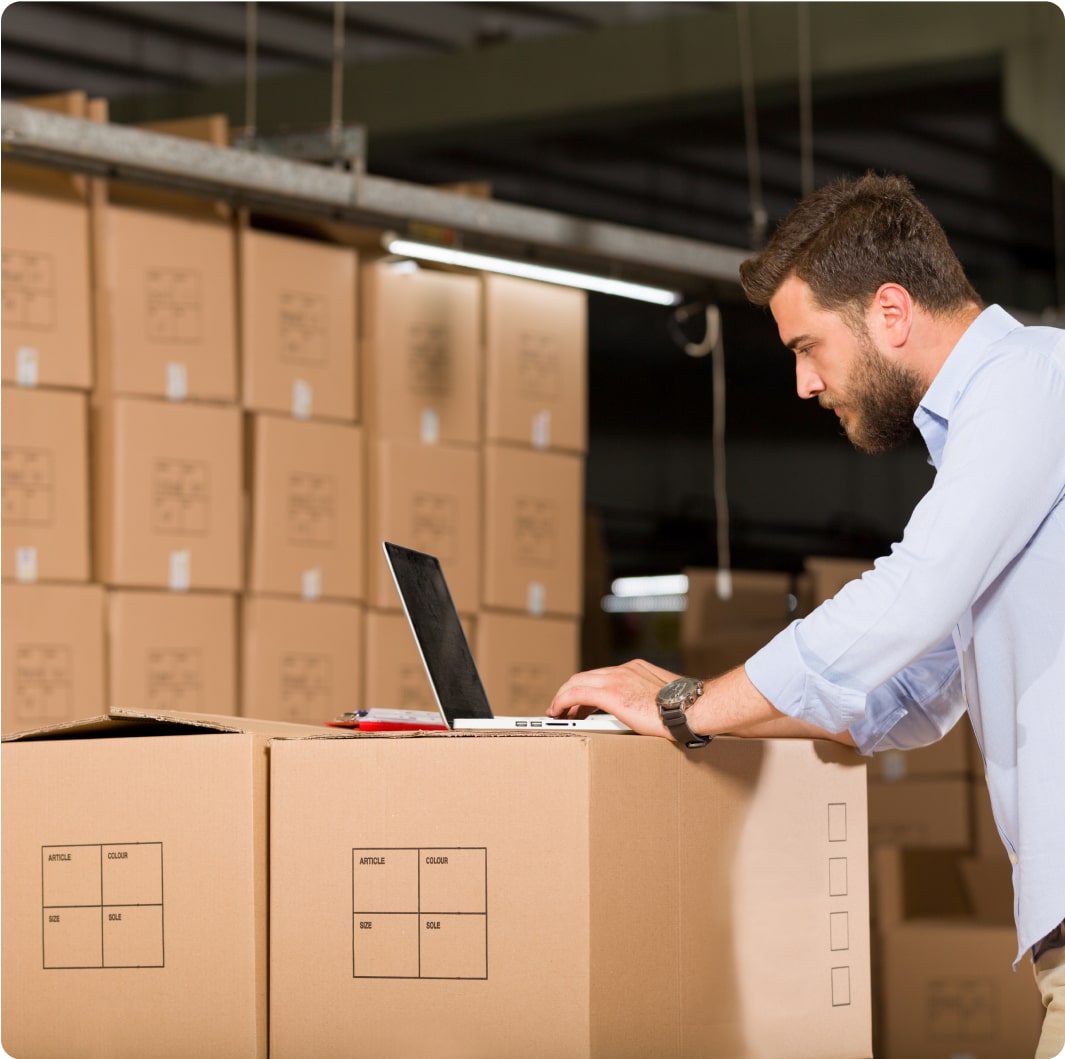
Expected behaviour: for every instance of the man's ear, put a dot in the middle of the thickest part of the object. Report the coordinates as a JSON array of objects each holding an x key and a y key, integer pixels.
[{"x": 890, "y": 314}]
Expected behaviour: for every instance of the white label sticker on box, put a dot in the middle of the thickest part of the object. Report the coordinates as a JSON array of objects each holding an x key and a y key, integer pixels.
[
  {"x": 312, "y": 583},
  {"x": 430, "y": 426},
  {"x": 302, "y": 398},
  {"x": 26, "y": 366},
  {"x": 537, "y": 598},
  {"x": 26, "y": 564},
  {"x": 177, "y": 381},
  {"x": 541, "y": 430},
  {"x": 180, "y": 574}
]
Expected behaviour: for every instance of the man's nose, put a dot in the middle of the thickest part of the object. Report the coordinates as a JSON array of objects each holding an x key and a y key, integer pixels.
[{"x": 807, "y": 382}]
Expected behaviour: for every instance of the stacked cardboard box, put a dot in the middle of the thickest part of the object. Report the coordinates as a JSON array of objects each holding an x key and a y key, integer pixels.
[
  {"x": 411, "y": 925},
  {"x": 536, "y": 436},
  {"x": 53, "y": 633}
]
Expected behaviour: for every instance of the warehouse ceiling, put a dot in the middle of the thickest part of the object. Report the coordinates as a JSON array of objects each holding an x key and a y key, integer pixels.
[{"x": 703, "y": 120}]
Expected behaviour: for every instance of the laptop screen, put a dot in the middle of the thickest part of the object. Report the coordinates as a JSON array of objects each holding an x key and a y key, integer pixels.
[{"x": 439, "y": 634}]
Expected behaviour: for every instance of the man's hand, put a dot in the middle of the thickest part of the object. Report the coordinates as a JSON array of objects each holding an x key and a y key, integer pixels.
[{"x": 627, "y": 691}]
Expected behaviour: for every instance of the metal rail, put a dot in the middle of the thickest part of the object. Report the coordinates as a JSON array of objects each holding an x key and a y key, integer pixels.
[{"x": 260, "y": 180}]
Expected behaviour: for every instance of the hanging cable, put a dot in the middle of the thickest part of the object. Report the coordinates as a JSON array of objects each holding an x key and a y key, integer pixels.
[
  {"x": 338, "y": 76},
  {"x": 713, "y": 343},
  {"x": 251, "y": 31},
  {"x": 759, "y": 217},
  {"x": 806, "y": 121}
]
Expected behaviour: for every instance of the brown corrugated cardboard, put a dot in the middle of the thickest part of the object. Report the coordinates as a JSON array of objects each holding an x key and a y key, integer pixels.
[
  {"x": 950, "y": 756},
  {"x": 134, "y": 888},
  {"x": 302, "y": 660},
  {"x": 53, "y": 654},
  {"x": 297, "y": 313},
  {"x": 533, "y": 536},
  {"x": 47, "y": 323},
  {"x": 422, "y": 354},
  {"x": 920, "y": 812},
  {"x": 395, "y": 675},
  {"x": 524, "y": 660},
  {"x": 724, "y": 649},
  {"x": 168, "y": 495},
  {"x": 169, "y": 304},
  {"x": 572, "y": 896},
  {"x": 307, "y": 508},
  {"x": 173, "y": 651},
  {"x": 760, "y": 598},
  {"x": 46, "y": 485},
  {"x": 536, "y": 356},
  {"x": 426, "y": 497},
  {"x": 948, "y": 987},
  {"x": 828, "y": 574}
]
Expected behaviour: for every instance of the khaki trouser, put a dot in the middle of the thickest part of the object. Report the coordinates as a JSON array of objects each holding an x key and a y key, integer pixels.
[{"x": 1050, "y": 977}]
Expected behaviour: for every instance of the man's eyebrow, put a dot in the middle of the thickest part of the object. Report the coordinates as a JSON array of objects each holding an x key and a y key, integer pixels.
[{"x": 797, "y": 341}]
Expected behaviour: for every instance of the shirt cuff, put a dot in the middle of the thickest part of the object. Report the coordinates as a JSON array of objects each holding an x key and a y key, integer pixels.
[{"x": 784, "y": 677}]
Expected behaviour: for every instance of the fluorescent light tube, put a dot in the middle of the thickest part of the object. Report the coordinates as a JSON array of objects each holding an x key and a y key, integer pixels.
[
  {"x": 656, "y": 585},
  {"x": 446, "y": 255}
]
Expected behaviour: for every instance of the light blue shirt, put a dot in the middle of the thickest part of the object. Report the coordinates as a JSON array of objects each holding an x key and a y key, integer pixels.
[{"x": 968, "y": 610}]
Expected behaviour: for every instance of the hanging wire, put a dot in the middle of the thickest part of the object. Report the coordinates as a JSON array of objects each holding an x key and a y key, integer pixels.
[
  {"x": 338, "y": 75},
  {"x": 251, "y": 31},
  {"x": 759, "y": 217},
  {"x": 806, "y": 122}
]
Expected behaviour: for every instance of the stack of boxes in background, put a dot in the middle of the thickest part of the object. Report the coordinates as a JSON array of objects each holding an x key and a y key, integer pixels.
[{"x": 211, "y": 422}]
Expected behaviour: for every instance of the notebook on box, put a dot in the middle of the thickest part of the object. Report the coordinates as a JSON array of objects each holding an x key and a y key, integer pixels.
[{"x": 446, "y": 654}]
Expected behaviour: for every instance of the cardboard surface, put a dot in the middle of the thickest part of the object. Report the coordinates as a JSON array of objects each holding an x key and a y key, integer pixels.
[
  {"x": 950, "y": 756},
  {"x": 46, "y": 485},
  {"x": 760, "y": 599},
  {"x": 307, "y": 508},
  {"x": 53, "y": 654},
  {"x": 948, "y": 985},
  {"x": 828, "y": 574},
  {"x": 169, "y": 290},
  {"x": 533, "y": 537},
  {"x": 297, "y": 313},
  {"x": 168, "y": 495},
  {"x": 134, "y": 889},
  {"x": 47, "y": 321},
  {"x": 302, "y": 660},
  {"x": 524, "y": 660},
  {"x": 426, "y": 497},
  {"x": 536, "y": 360},
  {"x": 422, "y": 355},
  {"x": 920, "y": 812},
  {"x": 173, "y": 651},
  {"x": 571, "y": 895}
]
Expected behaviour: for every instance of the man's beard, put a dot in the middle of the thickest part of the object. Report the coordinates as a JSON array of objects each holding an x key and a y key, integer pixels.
[{"x": 880, "y": 400}]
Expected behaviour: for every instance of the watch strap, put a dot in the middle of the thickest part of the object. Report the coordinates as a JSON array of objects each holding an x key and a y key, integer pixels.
[{"x": 677, "y": 723}]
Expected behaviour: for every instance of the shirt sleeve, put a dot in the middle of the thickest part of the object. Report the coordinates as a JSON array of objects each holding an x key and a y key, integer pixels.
[{"x": 999, "y": 476}]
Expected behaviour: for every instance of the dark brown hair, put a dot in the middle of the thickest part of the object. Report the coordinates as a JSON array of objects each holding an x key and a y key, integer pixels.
[{"x": 849, "y": 237}]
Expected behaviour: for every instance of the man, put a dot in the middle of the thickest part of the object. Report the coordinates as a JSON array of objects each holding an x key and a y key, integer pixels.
[{"x": 968, "y": 610}]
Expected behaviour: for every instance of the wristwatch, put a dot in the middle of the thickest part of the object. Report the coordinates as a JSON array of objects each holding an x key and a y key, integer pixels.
[{"x": 672, "y": 701}]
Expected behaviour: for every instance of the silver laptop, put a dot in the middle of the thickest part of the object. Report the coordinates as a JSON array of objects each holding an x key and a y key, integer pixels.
[{"x": 446, "y": 652}]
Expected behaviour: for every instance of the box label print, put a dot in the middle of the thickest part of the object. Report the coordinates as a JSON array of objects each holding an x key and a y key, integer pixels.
[
  {"x": 181, "y": 497},
  {"x": 302, "y": 331},
  {"x": 420, "y": 913},
  {"x": 173, "y": 305},
  {"x": 29, "y": 486},
  {"x": 102, "y": 905},
  {"x": 29, "y": 289},
  {"x": 44, "y": 681}
]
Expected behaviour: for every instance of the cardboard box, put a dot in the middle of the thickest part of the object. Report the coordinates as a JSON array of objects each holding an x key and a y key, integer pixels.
[
  {"x": 533, "y": 536},
  {"x": 422, "y": 355},
  {"x": 426, "y": 497},
  {"x": 297, "y": 316},
  {"x": 395, "y": 676},
  {"x": 135, "y": 886},
  {"x": 722, "y": 650},
  {"x": 630, "y": 894},
  {"x": 173, "y": 651},
  {"x": 53, "y": 654},
  {"x": 302, "y": 660},
  {"x": 46, "y": 485},
  {"x": 169, "y": 495},
  {"x": 920, "y": 812},
  {"x": 950, "y": 756},
  {"x": 47, "y": 322},
  {"x": 169, "y": 304},
  {"x": 523, "y": 660},
  {"x": 828, "y": 574},
  {"x": 948, "y": 986},
  {"x": 307, "y": 508},
  {"x": 536, "y": 356},
  {"x": 762, "y": 599}
]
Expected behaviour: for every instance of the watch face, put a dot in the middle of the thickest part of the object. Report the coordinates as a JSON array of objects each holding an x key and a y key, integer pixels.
[{"x": 676, "y": 692}]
